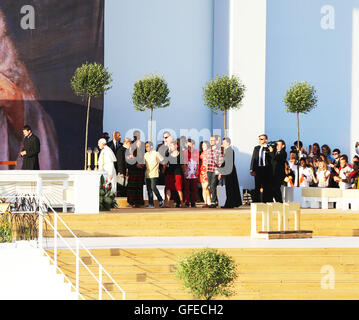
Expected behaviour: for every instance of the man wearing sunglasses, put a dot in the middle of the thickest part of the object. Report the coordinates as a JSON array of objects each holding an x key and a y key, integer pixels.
[{"x": 261, "y": 170}]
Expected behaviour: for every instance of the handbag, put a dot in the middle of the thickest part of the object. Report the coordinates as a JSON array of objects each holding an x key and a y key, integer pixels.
[{"x": 123, "y": 181}]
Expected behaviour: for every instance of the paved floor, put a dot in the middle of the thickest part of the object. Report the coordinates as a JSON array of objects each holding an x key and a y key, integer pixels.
[{"x": 207, "y": 242}]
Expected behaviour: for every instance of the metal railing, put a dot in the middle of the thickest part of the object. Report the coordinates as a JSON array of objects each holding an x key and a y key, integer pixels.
[
  {"x": 76, "y": 252},
  {"x": 41, "y": 204}
]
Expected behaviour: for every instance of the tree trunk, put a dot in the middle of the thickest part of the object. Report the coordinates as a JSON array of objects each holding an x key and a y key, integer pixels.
[
  {"x": 87, "y": 129},
  {"x": 298, "y": 130},
  {"x": 298, "y": 148},
  {"x": 150, "y": 133},
  {"x": 225, "y": 123}
]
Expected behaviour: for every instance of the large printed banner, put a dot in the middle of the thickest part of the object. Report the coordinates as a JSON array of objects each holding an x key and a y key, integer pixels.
[{"x": 42, "y": 42}]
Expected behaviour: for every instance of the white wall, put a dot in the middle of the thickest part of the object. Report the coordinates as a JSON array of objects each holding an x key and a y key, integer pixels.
[
  {"x": 248, "y": 62},
  {"x": 172, "y": 38}
]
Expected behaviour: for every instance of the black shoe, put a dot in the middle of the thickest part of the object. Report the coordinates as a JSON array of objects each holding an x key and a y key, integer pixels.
[
  {"x": 212, "y": 206},
  {"x": 193, "y": 205},
  {"x": 186, "y": 205},
  {"x": 224, "y": 207},
  {"x": 178, "y": 205}
]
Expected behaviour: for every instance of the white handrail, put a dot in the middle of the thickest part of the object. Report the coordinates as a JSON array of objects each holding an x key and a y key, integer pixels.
[
  {"x": 79, "y": 245},
  {"x": 77, "y": 254}
]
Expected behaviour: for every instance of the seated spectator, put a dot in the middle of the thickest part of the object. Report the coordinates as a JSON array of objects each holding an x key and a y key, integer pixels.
[
  {"x": 343, "y": 178},
  {"x": 322, "y": 175},
  {"x": 305, "y": 174},
  {"x": 293, "y": 160},
  {"x": 289, "y": 175},
  {"x": 310, "y": 165},
  {"x": 355, "y": 159},
  {"x": 314, "y": 151},
  {"x": 354, "y": 175},
  {"x": 301, "y": 152},
  {"x": 326, "y": 151},
  {"x": 336, "y": 157}
]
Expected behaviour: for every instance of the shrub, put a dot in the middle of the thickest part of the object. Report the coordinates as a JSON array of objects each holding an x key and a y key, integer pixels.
[{"x": 208, "y": 273}]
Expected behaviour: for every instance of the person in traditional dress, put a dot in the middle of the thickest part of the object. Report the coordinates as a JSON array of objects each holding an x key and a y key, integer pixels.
[
  {"x": 228, "y": 172},
  {"x": 107, "y": 161},
  {"x": 136, "y": 173},
  {"x": 19, "y": 104}
]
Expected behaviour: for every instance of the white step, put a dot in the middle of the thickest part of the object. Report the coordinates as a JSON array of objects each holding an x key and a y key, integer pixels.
[{"x": 26, "y": 274}]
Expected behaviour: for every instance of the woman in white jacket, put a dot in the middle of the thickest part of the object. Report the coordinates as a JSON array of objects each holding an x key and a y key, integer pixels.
[{"x": 107, "y": 161}]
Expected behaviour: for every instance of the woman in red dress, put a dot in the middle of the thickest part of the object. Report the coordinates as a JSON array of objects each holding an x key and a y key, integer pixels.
[{"x": 203, "y": 179}]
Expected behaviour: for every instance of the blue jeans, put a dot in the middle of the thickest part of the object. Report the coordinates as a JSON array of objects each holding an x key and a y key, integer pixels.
[{"x": 151, "y": 185}]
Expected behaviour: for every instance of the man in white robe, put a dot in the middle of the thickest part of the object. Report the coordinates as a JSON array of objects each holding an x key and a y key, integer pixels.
[{"x": 107, "y": 161}]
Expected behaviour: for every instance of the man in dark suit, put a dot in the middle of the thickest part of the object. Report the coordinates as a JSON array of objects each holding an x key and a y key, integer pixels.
[
  {"x": 229, "y": 173},
  {"x": 261, "y": 170},
  {"x": 121, "y": 168},
  {"x": 31, "y": 150},
  {"x": 115, "y": 143},
  {"x": 278, "y": 159}
]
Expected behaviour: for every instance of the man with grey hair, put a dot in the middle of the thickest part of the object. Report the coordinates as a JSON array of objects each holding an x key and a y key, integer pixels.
[{"x": 107, "y": 161}]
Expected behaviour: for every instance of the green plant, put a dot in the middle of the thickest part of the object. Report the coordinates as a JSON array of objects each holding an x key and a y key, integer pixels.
[
  {"x": 91, "y": 80},
  {"x": 300, "y": 98},
  {"x": 208, "y": 273},
  {"x": 222, "y": 94},
  {"x": 151, "y": 93},
  {"x": 5, "y": 227},
  {"x": 107, "y": 197}
]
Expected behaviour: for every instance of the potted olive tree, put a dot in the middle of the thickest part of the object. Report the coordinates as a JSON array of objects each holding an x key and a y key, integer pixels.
[
  {"x": 300, "y": 98},
  {"x": 223, "y": 94},
  {"x": 208, "y": 273},
  {"x": 151, "y": 93},
  {"x": 91, "y": 80}
]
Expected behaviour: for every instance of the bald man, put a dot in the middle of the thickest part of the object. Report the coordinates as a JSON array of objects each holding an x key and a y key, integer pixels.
[{"x": 115, "y": 143}]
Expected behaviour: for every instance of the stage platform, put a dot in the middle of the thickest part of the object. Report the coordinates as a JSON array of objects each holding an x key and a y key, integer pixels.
[{"x": 129, "y": 222}]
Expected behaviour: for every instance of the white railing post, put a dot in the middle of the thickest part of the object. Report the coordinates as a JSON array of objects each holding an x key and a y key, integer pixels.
[
  {"x": 40, "y": 201},
  {"x": 100, "y": 282},
  {"x": 77, "y": 266},
  {"x": 55, "y": 240}
]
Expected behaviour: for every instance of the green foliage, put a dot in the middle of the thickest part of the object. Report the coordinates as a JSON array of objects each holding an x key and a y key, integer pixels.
[
  {"x": 151, "y": 93},
  {"x": 107, "y": 197},
  {"x": 300, "y": 98},
  {"x": 5, "y": 227},
  {"x": 91, "y": 80},
  {"x": 208, "y": 273},
  {"x": 224, "y": 93}
]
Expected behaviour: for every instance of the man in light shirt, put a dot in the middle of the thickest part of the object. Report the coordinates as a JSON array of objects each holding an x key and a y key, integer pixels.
[{"x": 152, "y": 161}]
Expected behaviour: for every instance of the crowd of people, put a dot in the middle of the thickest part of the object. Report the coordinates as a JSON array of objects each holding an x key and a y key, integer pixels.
[
  {"x": 175, "y": 163},
  {"x": 317, "y": 167}
]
